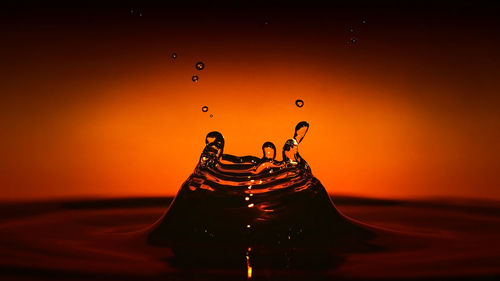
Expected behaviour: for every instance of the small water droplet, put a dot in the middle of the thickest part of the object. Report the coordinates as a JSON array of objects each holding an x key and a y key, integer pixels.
[
  {"x": 174, "y": 55},
  {"x": 195, "y": 78},
  {"x": 204, "y": 108},
  {"x": 299, "y": 103},
  {"x": 132, "y": 11},
  {"x": 352, "y": 41},
  {"x": 269, "y": 150},
  {"x": 351, "y": 30},
  {"x": 211, "y": 115},
  {"x": 140, "y": 14},
  {"x": 363, "y": 21},
  {"x": 200, "y": 65}
]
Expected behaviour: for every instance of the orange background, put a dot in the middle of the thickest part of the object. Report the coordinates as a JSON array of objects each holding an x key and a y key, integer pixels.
[{"x": 100, "y": 108}]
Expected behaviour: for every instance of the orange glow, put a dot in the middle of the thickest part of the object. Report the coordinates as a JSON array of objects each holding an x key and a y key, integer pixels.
[
  {"x": 384, "y": 122},
  {"x": 143, "y": 136}
]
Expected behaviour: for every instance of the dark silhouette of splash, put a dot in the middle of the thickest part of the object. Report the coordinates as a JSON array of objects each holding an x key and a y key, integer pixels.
[{"x": 257, "y": 211}]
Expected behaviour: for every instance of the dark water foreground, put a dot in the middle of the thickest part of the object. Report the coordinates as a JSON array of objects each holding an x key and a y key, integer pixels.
[{"x": 99, "y": 240}]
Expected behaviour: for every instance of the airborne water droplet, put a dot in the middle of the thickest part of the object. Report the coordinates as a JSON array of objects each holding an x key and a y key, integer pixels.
[
  {"x": 200, "y": 65},
  {"x": 174, "y": 55},
  {"x": 299, "y": 103},
  {"x": 195, "y": 78},
  {"x": 211, "y": 115},
  {"x": 204, "y": 108}
]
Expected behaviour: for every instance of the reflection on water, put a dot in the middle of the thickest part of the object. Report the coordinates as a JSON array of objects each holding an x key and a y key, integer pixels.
[{"x": 99, "y": 240}]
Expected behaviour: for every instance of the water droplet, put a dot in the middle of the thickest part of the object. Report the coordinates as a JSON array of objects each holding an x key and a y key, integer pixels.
[
  {"x": 211, "y": 115},
  {"x": 204, "y": 108},
  {"x": 214, "y": 142},
  {"x": 299, "y": 103},
  {"x": 269, "y": 150},
  {"x": 174, "y": 55},
  {"x": 353, "y": 40},
  {"x": 363, "y": 21},
  {"x": 140, "y": 14},
  {"x": 351, "y": 30},
  {"x": 195, "y": 78},
  {"x": 300, "y": 131},
  {"x": 132, "y": 11},
  {"x": 215, "y": 137},
  {"x": 200, "y": 65}
]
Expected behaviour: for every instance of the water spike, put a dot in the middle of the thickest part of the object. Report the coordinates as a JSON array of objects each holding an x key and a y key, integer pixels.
[
  {"x": 301, "y": 131},
  {"x": 290, "y": 150},
  {"x": 269, "y": 150},
  {"x": 214, "y": 145}
]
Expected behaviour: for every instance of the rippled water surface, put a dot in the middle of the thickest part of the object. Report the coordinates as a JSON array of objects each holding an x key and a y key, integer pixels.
[{"x": 89, "y": 240}]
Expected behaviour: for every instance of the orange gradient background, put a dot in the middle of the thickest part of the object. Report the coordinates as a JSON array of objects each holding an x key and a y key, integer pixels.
[{"x": 101, "y": 109}]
